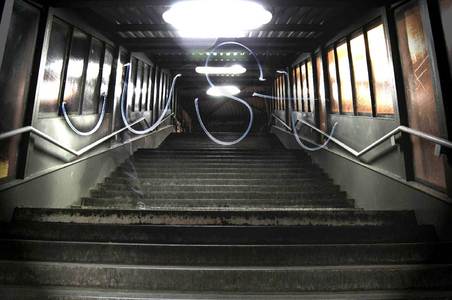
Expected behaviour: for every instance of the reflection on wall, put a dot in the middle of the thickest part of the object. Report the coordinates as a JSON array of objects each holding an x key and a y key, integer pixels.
[
  {"x": 321, "y": 92},
  {"x": 419, "y": 93},
  {"x": 75, "y": 71},
  {"x": 91, "y": 93},
  {"x": 310, "y": 86},
  {"x": 334, "y": 88},
  {"x": 382, "y": 71},
  {"x": 299, "y": 95},
  {"x": 77, "y": 63},
  {"x": 49, "y": 91},
  {"x": 304, "y": 86},
  {"x": 345, "y": 78},
  {"x": 361, "y": 75}
]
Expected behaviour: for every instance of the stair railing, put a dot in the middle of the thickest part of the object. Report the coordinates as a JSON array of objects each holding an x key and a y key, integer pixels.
[
  {"x": 31, "y": 129},
  {"x": 439, "y": 142},
  {"x": 282, "y": 122}
]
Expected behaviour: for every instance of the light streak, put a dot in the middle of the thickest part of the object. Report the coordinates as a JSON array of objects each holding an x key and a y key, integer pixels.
[
  {"x": 123, "y": 104},
  {"x": 96, "y": 127},
  {"x": 295, "y": 116},
  {"x": 237, "y": 99}
]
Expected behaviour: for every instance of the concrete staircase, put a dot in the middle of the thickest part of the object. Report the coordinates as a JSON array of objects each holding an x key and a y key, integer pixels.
[{"x": 194, "y": 220}]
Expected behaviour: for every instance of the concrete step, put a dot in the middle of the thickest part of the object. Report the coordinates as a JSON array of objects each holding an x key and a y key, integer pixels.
[
  {"x": 64, "y": 293},
  {"x": 264, "y": 217},
  {"x": 221, "y": 154},
  {"x": 215, "y": 168},
  {"x": 220, "y": 163},
  {"x": 236, "y": 175},
  {"x": 213, "y": 181},
  {"x": 217, "y": 235},
  {"x": 226, "y": 255},
  {"x": 221, "y": 168},
  {"x": 176, "y": 186},
  {"x": 200, "y": 167},
  {"x": 219, "y": 195},
  {"x": 227, "y": 150},
  {"x": 139, "y": 203},
  {"x": 227, "y": 279}
]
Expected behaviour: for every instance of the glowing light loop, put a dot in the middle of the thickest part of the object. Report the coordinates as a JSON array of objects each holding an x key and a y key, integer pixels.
[
  {"x": 295, "y": 116},
  {"x": 124, "y": 104},
  {"x": 250, "y": 110},
  {"x": 95, "y": 128}
]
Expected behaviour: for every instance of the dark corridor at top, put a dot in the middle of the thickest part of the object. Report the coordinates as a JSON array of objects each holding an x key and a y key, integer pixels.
[{"x": 369, "y": 71}]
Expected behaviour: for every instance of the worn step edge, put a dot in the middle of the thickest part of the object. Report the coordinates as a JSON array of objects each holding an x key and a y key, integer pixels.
[
  {"x": 232, "y": 255},
  {"x": 228, "y": 279},
  {"x": 306, "y": 217},
  {"x": 215, "y": 234},
  {"x": 174, "y": 186},
  {"x": 62, "y": 293}
]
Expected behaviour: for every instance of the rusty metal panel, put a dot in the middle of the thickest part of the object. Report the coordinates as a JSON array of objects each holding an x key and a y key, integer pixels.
[
  {"x": 446, "y": 18},
  {"x": 419, "y": 92}
]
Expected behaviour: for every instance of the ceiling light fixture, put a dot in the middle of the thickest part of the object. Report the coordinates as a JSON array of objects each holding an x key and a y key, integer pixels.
[
  {"x": 225, "y": 90},
  {"x": 213, "y": 19},
  {"x": 231, "y": 70}
]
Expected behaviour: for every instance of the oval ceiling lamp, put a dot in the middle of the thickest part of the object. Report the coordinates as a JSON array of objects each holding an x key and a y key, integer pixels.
[
  {"x": 223, "y": 90},
  {"x": 231, "y": 70},
  {"x": 216, "y": 19}
]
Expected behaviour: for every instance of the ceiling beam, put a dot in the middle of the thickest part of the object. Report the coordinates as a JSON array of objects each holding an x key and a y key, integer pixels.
[
  {"x": 190, "y": 68},
  {"x": 273, "y": 3},
  {"x": 177, "y": 61},
  {"x": 267, "y": 27},
  {"x": 296, "y": 44},
  {"x": 180, "y": 53}
]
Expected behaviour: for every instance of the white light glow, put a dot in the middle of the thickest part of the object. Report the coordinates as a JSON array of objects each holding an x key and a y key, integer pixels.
[
  {"x": 232, "y": 70},
  {"x": 213, "y": 19},
  {"x": 225, "y": 90}
]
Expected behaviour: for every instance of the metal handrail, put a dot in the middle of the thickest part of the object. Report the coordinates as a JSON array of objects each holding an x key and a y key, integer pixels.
[
  {"x": 434, "y": 139},
  {"x": 282, "y": 122},
  {"x": 53, "y": 141}
]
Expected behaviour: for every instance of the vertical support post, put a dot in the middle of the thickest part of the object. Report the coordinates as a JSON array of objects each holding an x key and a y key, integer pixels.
[
  {"x": 155, "y": 94},
  {"x": 338, "y": 79},
  {"x": 288, "y": 96},
  {"x": 31, "y": 105},
  {"x": 6, "y": 14}
]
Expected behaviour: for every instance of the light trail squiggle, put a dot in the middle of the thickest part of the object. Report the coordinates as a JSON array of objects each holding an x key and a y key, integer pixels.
[
  {"x": 123, "y": 104},
  {"x": 215, "y": 140},
  {"x": 250, "y": 124},
  {"x": 271, "y": 97},
  {"x": 307, "y": 148},
  {"x": 85, "y": 133},
  {"x": 295, "y": 116}
]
